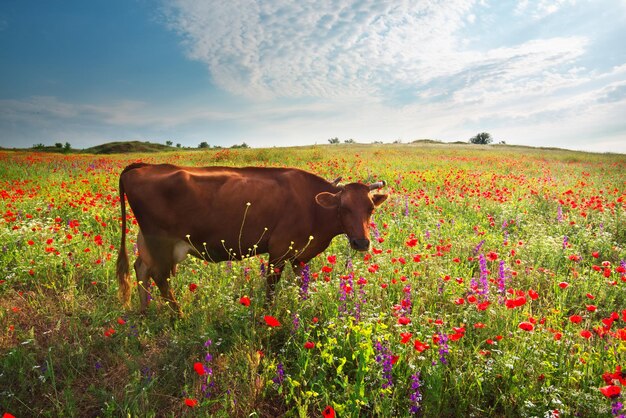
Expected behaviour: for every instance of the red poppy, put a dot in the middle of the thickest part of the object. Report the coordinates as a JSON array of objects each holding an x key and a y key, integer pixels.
[
  {"x": 193, "y": 287},
  {"x": 483, "y": 305},
  {"x": 199, "y": 368},
  {"x": 328, "y": 412},
  {"x": 7, "y": 415},
  {"x": 244, "y": 300},
  {"x": 109, "y": 332},
  {"x": 411, "y": 242},
  {"x": 332, "y": 259},
  {"x": 121, "y": 321},
  {"x": 610, "y": 391},
  {"x": 585, "y": 333},
  {"x": 526, "y": 326},
  {"x": 271, "y": 321},
  {"x": 420, "y": 346},
  {"x": 533, "y": 294},
  {"x": 405, "y": 337},
  {"x": 576, "y": 319},
  {"x": 563, "y": 285},
  {"x": 591, "y": 308},
  {"x": 309, "y": 345},
  {"x": 190, "y": 402},
  {"x": 403, "y": 320}
]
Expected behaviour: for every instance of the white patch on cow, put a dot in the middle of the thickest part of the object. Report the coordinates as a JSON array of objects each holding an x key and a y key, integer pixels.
[{"x": 181, "y": 249}]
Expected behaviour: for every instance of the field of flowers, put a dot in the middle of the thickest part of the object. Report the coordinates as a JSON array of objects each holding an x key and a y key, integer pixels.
[{"x": 495, "y": 286}]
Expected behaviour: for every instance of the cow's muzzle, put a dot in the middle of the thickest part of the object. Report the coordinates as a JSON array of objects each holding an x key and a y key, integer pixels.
[{"x": 360, "y": 244}]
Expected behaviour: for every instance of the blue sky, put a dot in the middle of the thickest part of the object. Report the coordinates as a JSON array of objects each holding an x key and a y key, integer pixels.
[{"x": 278, "y": 73}]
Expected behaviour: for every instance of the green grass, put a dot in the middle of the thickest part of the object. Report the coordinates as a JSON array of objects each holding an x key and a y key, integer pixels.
[{"x": 67, "y": 348}]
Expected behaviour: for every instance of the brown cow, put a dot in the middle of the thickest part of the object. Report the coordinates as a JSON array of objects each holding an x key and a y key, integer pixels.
[{"x": 225, "y": 213}]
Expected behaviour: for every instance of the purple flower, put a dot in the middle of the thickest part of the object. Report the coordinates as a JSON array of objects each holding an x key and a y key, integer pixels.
[
  {"x": 384, "y": 358},
  {"x": 478, "y": 247},
  {"x": 616, "y": 407},
  {"x": 416, "y": 396},
  {"x": 559, "y": 214},
  {"x": 443, "y": 348},
  {"x": 502, "y": 279},
  {"x": 484, "y": 275},
  {"x": 280, "y": 374},
  {"x": 565, "y": 240},
  {"x": 304, "y": 287}
]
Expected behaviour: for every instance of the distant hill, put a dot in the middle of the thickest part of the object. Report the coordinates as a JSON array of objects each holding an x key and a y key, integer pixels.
[{"x": 127, "y": 147}]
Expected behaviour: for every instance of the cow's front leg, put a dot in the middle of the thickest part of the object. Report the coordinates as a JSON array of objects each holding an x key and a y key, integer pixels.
[{"x": 273, "y": 276}]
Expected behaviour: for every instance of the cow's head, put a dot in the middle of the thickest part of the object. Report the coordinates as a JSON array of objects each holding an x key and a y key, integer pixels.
[{"x": 354, "y": 206}]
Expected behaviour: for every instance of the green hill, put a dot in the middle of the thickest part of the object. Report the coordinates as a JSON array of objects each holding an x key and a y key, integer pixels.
[{"x": 127, "y": 147}]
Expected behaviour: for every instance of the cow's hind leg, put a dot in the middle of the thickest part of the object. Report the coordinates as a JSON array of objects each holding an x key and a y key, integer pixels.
[
  {"x": 143, "y": 284},
  {"x": 162, "y": 280}
]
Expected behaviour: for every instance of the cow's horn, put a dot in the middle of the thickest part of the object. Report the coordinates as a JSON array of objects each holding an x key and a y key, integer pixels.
[
  {"x": 336, "y": 181},
  {"x": 378, "y": 185}
]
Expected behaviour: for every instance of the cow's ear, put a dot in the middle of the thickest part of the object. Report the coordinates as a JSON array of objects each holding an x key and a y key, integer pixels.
[
  {"x": 378, "y": 199},
  {"x": 327, "y": 200}
]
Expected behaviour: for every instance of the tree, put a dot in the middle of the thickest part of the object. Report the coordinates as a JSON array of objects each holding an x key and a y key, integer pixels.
[
  {"x": 350, "y": 141},
  {"x": 169, "y": 143},
  {"x": 334, "y": 140},
  {"x": 481, "y": 138},
  {"x": 58, "y": 145},
  {"x": 203, "y": 144},
  {"x": 178, "y": 145},
  {"x": 67, "y": 147}
]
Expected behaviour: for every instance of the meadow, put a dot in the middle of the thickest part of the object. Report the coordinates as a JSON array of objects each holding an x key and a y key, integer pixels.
[{"x": 495, "y": 286}]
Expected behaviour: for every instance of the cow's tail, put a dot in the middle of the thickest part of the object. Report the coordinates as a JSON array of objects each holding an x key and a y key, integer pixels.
[{"x": 123, "y": 275}]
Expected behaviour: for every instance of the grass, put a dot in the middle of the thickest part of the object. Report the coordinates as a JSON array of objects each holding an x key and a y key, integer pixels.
[{"x": 472, "y": 243}]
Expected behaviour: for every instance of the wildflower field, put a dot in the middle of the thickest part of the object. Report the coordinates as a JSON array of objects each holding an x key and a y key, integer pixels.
[{"x": 495, "y": 286}]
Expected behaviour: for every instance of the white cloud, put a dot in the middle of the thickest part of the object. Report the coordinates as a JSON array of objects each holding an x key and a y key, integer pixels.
[{"x": 539, "y": 9}]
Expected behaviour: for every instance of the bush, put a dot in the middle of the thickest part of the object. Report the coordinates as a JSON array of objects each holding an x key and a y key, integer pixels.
[{"x": 481, "y": 138}]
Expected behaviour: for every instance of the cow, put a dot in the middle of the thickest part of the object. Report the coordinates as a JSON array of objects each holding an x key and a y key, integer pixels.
[{"x": 225, "y": 213}]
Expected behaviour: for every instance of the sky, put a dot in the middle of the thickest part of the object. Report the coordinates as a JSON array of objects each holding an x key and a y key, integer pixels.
[{"x": 282, "y": 73}]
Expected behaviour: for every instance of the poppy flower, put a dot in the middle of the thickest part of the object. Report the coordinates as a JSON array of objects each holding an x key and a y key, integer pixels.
[
  {"x": 420, "y": 346},
  {"x": 563, "y": 285},
  {"x": 7, "y": 415},
  {"x": 585, "y": 333},
  {"x": 576, "y": 319},
  {"x": 405, "y": 337},
  {"x": 526, "y": 326},
  {"x": 121, "y": 321},
  {"x": 403, "y": 320},
  {"x": 309, "y": 345},
  {"x": 533, "y": 294},
  {"x": 244, "y": 300},
  {"x": 610, "y": 391},
  {"x": 190, "y": 402},
  {"x": 328, "y": 412},
  {"x": 199, "y": 368},
  {"x": 193, "y": 287},
  {"x": 483, "y": 305},
  {"x": 271, "y": 321}
]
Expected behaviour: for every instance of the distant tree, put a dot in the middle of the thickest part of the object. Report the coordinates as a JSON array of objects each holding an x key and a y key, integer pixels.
[
  {"x": 67, "y": 147},
  {"x": 502, "y": 142},
  {"x": 243, "y": 145},
  {"x": 334, "y": 140},
  {"x": 481, "y": 138},
  {"x": 58, "y": 145},
  {"x": 203, "y": 144},
  {"x": 350, "y": 141},
  {"x": 178, "y": 145},
  {"x": 39, "y": 146},
  {"x": 169, "y": 143},
  {"x": 397, "y": 141}
]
